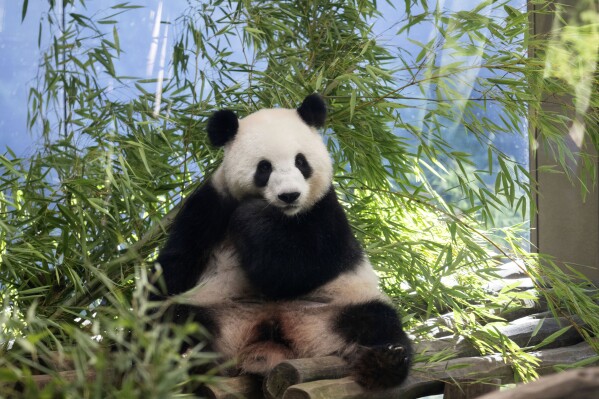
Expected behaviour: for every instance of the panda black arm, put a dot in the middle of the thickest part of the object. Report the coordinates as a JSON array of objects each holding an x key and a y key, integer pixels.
[
  {"x": 197, "y": 229},
  {"x": 289, "y": 256}
]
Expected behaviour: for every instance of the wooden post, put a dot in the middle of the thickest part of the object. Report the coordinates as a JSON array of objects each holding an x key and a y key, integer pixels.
[{"x": 565, "y": 226}]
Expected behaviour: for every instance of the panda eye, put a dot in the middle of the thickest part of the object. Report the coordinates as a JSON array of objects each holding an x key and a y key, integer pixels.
[
  {"x": 302, "y": 164},
  {"x": 300, "y": 161},
  {"x": 264, "y": 166}
]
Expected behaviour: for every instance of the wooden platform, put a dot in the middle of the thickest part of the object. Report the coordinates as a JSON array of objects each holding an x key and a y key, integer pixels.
[{"x": 327, "y": 377}]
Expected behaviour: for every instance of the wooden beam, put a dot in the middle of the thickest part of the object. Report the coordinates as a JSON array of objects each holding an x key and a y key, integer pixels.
[
  {"x": 520, "y": 331},
  {"x": 573, "y": 384}
]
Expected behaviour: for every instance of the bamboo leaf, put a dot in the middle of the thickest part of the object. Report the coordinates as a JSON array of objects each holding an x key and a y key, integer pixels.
[{"x": 24, "y": 9}]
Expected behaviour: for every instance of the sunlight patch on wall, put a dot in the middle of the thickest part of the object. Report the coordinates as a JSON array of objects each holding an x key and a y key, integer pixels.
[{"x": 572, "y": 54}]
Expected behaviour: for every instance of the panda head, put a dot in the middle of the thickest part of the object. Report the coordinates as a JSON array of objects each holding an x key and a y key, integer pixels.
[{"x": 275, "y": 154}]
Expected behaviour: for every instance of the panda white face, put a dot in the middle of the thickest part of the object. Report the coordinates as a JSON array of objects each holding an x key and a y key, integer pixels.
[{"x": 277, "y": 156}]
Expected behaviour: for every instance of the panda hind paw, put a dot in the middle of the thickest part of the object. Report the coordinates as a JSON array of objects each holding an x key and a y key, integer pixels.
[{"x": 381, "y": 367}]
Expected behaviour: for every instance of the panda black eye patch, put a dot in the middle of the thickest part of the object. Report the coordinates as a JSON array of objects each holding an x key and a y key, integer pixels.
[
  {"x": 302, "y": 164},
  {"x": 262, "y": 174}
]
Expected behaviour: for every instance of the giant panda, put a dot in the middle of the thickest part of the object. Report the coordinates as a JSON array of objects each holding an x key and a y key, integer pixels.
[{"x": 262, "y": 255}]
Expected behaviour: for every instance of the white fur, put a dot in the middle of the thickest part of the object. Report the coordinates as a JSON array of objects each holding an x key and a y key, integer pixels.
[
  {"x": 222, "y": 281},
  {"x": 277, "y": 135},
  {"x": 356, "y": 286}
]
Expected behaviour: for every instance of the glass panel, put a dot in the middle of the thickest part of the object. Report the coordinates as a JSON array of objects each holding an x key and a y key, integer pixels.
[{"x": 147, "y": 36}]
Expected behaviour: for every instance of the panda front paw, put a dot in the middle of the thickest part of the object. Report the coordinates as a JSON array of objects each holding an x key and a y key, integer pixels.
[
  {"x": 251, "y": 205},
  {"x": 255, "y": 210},
  {"x": 381, "y": 367}
]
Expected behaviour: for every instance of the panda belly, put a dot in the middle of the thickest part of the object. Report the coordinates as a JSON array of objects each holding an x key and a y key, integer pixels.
[
  {"x": 258, "y": 334},
  {"x": 261, "y": 335}
]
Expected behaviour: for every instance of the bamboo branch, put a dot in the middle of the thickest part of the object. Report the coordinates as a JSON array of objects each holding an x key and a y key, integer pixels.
[{"x": 139, "y": 250}]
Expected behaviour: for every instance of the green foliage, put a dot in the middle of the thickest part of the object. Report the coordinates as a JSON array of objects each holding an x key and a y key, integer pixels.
[
  {"x": 85, "y": 214},
  {"x": 140, "y": 362}
]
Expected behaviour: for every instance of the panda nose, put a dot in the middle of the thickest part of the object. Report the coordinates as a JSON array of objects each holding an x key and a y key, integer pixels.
[{"x": 289, "y": 197}]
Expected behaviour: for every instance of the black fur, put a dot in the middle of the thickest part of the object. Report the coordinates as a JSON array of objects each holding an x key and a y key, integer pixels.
[
  {"x": 289, "y": 198},
  {"x": 371, "y": 323},
  {"x": 313, "y": 110},
  {"x": 199, "y": 226},
  {"x": 206, "y": 317},
  {"x": 289, "y": 256},
  {"x": 386, "y": 353},
  {"x": 302, "y": 164},
  {"x": 262, "y": 173},
  {"x": 222, "y": 126},
  {"x": 381, "y": 367},
  {"x": 181, "y": 313}
]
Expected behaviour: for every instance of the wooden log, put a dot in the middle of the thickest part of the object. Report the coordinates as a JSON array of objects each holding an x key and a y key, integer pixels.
[
  {"x": 424, "y": 380},
  {"x": 512, "y": 270},
  {"x": 494, "y": 366},
  {"x": 428, "y": 379},
  {"x": 470, "y": 389},
  {"x": 245, "y": 386},
  {"x": 550, "y": 358},
  {"x": 440, "y": 325},
  {"x": 342, "y": 388},
  {"x": 524, "y": 284},
  {"x": 296, "y": 371},
  {"x": 573, "y": 384},
  {"x": 457, "y": 346},
  {"x": 520, "y": 331},
  {"x": 529, "y": 307}
]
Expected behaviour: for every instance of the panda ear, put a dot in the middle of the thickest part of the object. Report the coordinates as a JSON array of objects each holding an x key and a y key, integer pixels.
[
  {"x": 222, "y": 127},
  {"x": 313, "y": 110}
]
